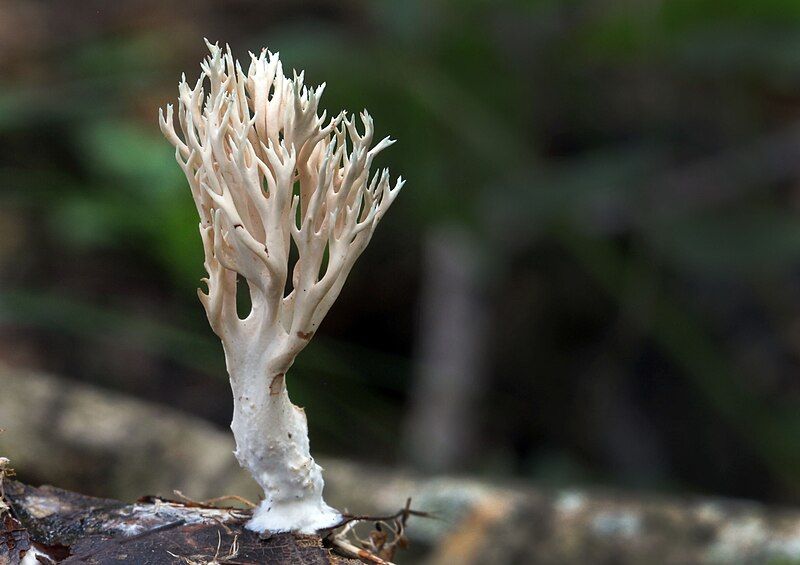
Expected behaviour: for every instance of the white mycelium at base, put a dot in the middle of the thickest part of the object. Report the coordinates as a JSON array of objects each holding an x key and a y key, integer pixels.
[{"x": 272, "y": 443}]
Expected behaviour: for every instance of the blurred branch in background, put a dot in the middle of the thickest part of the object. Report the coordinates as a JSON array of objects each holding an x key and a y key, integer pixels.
[{"x": 440, "y": 426}]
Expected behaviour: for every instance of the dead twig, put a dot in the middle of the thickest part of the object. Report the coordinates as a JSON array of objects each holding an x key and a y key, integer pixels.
[
  {"x": 212, "y": 502},
  {"x": 383, "y": 541},
  {"x": 346, "y": 518},
  {"x": 351, "y": 550}
]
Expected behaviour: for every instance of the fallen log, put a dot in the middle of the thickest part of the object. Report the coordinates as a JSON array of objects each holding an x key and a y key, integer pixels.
[
  {"x": 59, "y": 526},
  {"x": 52, "y": 437}
]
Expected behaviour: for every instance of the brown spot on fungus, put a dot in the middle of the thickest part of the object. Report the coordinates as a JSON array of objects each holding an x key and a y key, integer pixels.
[
  {"x": 276, "y": 385},
  {"x": 305, "y": 335}
]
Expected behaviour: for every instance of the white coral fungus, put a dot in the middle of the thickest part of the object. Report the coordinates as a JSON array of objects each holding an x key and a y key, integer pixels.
[{"x": 267, "y": 172}]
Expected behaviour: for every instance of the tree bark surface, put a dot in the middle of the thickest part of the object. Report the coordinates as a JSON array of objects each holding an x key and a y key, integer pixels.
[{"x": 72, "y": 528}]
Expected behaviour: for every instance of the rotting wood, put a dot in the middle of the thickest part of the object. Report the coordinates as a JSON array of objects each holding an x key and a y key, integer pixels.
[
  {"x": 73, "y": 528},
  {"x": 14, "y": 539}
]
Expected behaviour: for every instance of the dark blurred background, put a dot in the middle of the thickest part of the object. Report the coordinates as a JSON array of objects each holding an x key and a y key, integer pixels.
[{"x": 592, "y": 276}]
